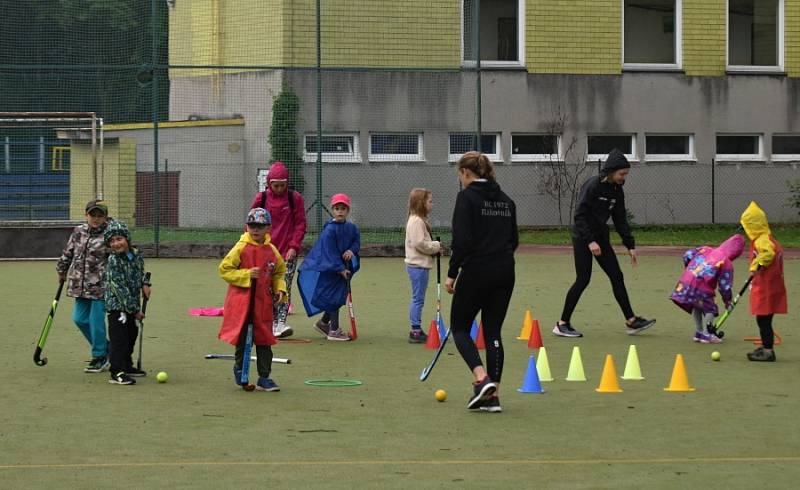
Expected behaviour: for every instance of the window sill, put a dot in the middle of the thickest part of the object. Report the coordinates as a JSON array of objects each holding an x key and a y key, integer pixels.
[
  {"x": 536, "y": 159},
  {"x": 669, "y": 159},
  {"x": 335, "y": 161},
  {"x": 774, "y": 71},
  {"x": 654, "y": 68},
  {"x": 494, "y": 158},
  {"x": 739, "y": 160},
  {"x": 495, "y": 65},
  {"x": 396, "y": 162}
]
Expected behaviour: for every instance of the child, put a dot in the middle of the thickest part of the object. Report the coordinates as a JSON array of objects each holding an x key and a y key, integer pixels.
[
  {"x": 287, "y": 210},
  {"x": 767, "y": 291},
  {"x": 420, "y": 250},
  {"x": 83, "y": 265},
  {"x": 326, "y": 270},
  {"x": 253, "y": 267},
  {"x": 707, "y": 268},
  {"x": 124, "y": 280}
]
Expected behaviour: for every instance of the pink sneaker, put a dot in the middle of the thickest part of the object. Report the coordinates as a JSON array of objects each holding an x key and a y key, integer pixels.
[
  {"x": 713, "y": 339},
  {"x": 702, "y": 338}
]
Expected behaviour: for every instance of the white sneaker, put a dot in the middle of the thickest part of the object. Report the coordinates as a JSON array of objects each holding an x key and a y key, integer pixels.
[{"x": 281, "y": 331}]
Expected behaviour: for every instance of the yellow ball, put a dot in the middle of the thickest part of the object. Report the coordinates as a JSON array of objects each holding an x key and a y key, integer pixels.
[
  {"x": 440, "y": 395},
  {"x": 715, "y": 356},
  {"x": 162, "y": 377}
]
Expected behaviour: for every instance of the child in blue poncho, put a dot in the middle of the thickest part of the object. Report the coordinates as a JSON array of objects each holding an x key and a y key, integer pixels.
[{"x": 326, "y": 269}]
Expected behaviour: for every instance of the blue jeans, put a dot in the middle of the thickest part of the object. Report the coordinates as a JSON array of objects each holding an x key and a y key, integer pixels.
[
  {"x": 419, "y": 285},
  {"x": 90, "y": 317}
]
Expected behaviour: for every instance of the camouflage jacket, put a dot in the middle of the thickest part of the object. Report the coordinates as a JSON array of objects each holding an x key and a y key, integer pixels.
[
  {"x": 83, "y": 261},
  {"x": 124, "y": 281}
]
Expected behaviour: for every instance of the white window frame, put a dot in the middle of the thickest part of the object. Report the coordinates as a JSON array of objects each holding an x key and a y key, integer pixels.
[
  {"x": 520, "y": 63},
  {"x": 667, "y": 157},
  {"x": 678, "y": 65},
  {"x": 397, "y": 157},
  {"x": 496, "y": 157},
  {"x": 740, "y": 157},
  {"x": 593, "y": 157},
  {"x": 353, "y": 157},
  {"x": 536, "y": 157},
  {"x": 779, "y": 68},
  {"x": 785, "y": 157}
]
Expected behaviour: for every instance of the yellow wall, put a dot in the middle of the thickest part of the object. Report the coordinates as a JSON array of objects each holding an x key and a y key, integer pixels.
[
  {"x": 792, "y": 37},
  {"x": 704, "y": 37},
  {"x": 116, "y": 179},
  {"x": 578, "y": 36}
]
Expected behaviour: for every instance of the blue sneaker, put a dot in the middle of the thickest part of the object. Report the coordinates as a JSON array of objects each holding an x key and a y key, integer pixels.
[
  {"x": 266, "y": 384},
  {"x": 237, "y": 375}
]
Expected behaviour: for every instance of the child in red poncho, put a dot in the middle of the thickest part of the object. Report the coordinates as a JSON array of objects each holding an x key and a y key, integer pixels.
[
  {"x": 253, "y": 266},
  {"x": 767, "y": 291}
]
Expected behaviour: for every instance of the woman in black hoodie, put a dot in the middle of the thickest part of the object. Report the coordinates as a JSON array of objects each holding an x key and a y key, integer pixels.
[
  {"x": 601, "y": 197},
  {"x": 484, "y": 239}
]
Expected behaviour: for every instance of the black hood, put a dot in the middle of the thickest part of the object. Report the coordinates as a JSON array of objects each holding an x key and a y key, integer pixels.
[
  {"x": 616, "y": 160},
  {"x": 488, "y": 189}
]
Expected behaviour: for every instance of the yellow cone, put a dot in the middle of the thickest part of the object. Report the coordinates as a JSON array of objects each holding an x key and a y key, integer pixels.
[
  {"x": 527, "y": 323},
  {"x": 680, "y": 380},
  {"x": 632, "y": 369},
  {"x": 575, "y": 372},
  {"x": 608, "y": 381},
  {"x": 543, "y": 366}
]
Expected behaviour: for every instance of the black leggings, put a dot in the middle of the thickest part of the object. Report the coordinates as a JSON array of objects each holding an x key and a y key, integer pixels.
[
  {"x": 484, "y": 288},
  {"x": 765, "y": 327},
  {"x": 583, "y": 272}
]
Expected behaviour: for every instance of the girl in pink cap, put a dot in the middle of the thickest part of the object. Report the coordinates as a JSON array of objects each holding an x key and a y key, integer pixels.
[{"x": 325, "y": 271}]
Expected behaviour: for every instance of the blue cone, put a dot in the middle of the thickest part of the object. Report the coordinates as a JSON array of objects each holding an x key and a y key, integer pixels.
[
  {"x": 531, "y": 383},
  {"x": 474, "y": 331}
]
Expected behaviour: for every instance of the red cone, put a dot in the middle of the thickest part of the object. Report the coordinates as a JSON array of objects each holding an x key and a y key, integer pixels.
[
  {"x": 433, "y": 336},
  {"x": 535, "y": 340},
  {"x": 480, "y": 343}
]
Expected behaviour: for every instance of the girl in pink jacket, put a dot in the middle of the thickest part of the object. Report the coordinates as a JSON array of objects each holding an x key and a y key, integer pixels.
[{"x": 707, "y": 268}]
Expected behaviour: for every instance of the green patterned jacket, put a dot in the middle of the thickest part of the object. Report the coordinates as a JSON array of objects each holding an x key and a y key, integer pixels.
[{"x": 124, "y": 281}]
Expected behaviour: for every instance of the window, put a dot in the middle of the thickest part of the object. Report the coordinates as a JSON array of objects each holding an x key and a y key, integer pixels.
[
  {"x": 535, "y": 147},
  {"x": 335, "y": 148},
  {"x": 674, "y": 147},
  {"x": 652, "y": 34},
  {"x": 600, "y": 145},
  {"x": 786, "y": 147},
  {"x": 461, "y": 143},
  {"x": 395, "y": 147},
  {"x": 502, "y": 28},
  {"x": 755, "y": 35},
  {"x": 739, "y": 147}
]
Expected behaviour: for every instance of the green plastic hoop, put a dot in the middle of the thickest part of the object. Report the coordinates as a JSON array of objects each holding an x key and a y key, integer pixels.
[{"x": 333, "y": 383}]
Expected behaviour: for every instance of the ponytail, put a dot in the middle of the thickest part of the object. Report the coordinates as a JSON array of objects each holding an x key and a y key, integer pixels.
[{"x": 479, "y": 164}]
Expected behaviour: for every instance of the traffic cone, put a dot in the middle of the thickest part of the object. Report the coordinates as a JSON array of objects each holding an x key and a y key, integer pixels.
[
  {"x": 632, "y": 369},
  {"x": 433, "y": 341},
  {"x": 527, "y": 323},
  {"x": 680, "y": 380},
  {"x": 531, "y": 383},
  {"x": 543, "y": 366},
  {"x": 535, "y": 340},
  {"x": 608, "y": 381},
  {"x": 480, "y": 343},
  {"x": 575, "y": 372}
]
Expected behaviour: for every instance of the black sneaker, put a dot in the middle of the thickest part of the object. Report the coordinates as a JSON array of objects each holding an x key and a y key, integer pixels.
[
  {"x": 566, "y": 330},
  {"x": 482, "y": 392},
  {"x": 492, "y": 405},
  {"x": 417, "y": 336},
  {"x": 761, "y": 355},
  {"x": 98, "y": 365},
  {"x": 322, "y": 327},
  {"x": 121, "y": 379},
  {"x": 638, "y": 325},
  {"x": 136, "y": 372}
]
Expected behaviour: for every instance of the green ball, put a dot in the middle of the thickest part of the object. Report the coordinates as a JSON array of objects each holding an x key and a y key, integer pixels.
[
  {"x": 162, "y": 377},
  {"x": 715, "y": 356}
]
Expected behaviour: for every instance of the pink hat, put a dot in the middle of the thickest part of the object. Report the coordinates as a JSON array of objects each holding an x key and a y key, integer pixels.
[
  {"x": 340, "y": 199},
  {"x": 277, "y": 172}
]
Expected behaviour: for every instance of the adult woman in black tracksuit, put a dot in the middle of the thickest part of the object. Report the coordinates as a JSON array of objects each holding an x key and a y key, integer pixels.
[
  {"x": 601, "y": 197},
  {"x": 484, "y": 239}
]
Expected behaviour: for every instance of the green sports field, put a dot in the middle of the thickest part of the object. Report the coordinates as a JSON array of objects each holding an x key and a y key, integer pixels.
[{"x": 61, "y": 428}]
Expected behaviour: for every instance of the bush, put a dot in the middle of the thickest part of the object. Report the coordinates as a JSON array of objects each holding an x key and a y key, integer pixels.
[
  {"x": 283, "y": 136},
  {"x": 794, "y": 199}
]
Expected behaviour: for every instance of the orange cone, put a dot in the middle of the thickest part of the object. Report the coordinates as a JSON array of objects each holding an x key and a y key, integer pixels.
[
  {"x": 680, "y": 380},
  {"x": 608, "y": 381},
  {"x": 527, "y": 323},
  {"x": 433, "y": 336},
  {"x": 535, "y": 340},
  {"x": 480, "y": 343}
]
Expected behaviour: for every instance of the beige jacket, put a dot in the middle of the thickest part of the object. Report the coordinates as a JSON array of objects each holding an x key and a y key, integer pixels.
[{"x": 420, "y": 249}]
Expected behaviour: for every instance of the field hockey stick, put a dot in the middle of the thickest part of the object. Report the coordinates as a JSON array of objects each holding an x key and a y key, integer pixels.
[
  {"x": 715, "y": 328},
  {"x": 140, "y": 324},
  {"x": 353, "y": 329},
  {"x": 37, "y": 354},
  {"x": 283, "y": 309},
  {"x": 439, "y": 320},
  {"x": 277, "y": 360},
  {"x": 244, "y": 379}
]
